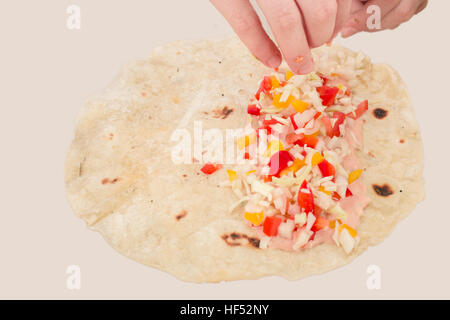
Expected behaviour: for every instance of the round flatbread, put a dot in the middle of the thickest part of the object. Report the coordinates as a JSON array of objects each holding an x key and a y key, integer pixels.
[{"x": 121, "y": 180}]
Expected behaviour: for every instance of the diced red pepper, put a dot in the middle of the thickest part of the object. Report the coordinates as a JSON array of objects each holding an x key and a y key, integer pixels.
[
  {"x": 328, "y": 127},
  {"x": 327, "y": 94},
  {"x": 340, "y": 120},
  {"x": 317, "y": 115},
  {"x": 348, "y": 193},
  {"x": 305, "y": 200},
  {"x": 309, "y": 141},
  {"x": 360, "y": 109},
  {"x": 210, "y": 168},
  {"x": 326, "y": 168},
  {"x": 335, "y": 196},
  {"x": 279, "y": 161},
  {"x": 270, "y": 226},
  {"x": 294, "y": 124},
  {"x": 267, "y": 123},
  {"x": 317, "y": 210},
  {"x": 319, "y": 224},
  {"x": 253, "y": 110},
  {"x": 292, "y": 138},
  {"x": 325, "y": 80},
  {"x": 247, "y": 156},
  {"x": 266, "y": 86}
]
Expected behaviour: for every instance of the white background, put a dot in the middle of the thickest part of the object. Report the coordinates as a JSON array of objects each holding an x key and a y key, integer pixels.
[{"x": 47, "y": 71}]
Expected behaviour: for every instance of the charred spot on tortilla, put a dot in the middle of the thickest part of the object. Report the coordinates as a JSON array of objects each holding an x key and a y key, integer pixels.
[
  {"x": 222, "y": 112},
  {"x": 181, "y": 215},
  {"x": 238, "y": 239},
  {"x": 402, "y": 141},
  {"x": 108, "y": 181},
  {"x": 385, "y": 190},
  {"x": 380, "y": 113}
]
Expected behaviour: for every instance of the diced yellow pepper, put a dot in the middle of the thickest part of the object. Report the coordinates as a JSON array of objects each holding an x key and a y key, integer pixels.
[
  {"x": 322, "y": 188},
  {"x": 289, "y": 75},
  {"x": 254, "y": 217},
  {"x": 281, "y": 105},
  {"x": 231, "y": 175},
  {"x": 316, "y": 159},
  {"x": 354, "y": 175},
  {"x": 299, "y": 105},
  {"x": 250, "y": 172},
  {"x": 350, "y": 230},
  {"x": 275, "y": 82},
  {"x": 332, "y": 224},
  {"x": 297, "y": 165},
  {"x": 273, "y": 147},
  {"x": 245, "y": 141}
]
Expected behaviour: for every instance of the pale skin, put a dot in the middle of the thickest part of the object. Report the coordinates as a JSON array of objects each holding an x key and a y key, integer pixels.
[{"x": 301, "y": 25}]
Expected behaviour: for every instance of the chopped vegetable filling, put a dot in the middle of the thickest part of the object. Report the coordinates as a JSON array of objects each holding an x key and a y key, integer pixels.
[{"x": 305, "y": 188}]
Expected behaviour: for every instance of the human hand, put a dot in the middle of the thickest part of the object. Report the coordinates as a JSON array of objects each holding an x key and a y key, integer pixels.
[
  {"x": 393, "y": 13},
  {"x": 300, "y": 25},
  {"x": 297, "y": 25}
]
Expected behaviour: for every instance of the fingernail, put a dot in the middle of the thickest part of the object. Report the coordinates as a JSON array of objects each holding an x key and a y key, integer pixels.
[
  {"x": 306, "y": 66},
  {"x": 348, "y": 31},
  {"x": 274, "y": 61}
]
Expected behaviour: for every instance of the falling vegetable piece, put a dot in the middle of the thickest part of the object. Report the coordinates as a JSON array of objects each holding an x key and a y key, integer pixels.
[
  {"x": 255, "y": 218},
  {"x": 271, "y": 224},
  {"x": 210, "y": 168},
  {"x": 354, "y": 175}
]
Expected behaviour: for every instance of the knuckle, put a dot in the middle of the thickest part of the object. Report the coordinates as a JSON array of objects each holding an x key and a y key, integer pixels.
[{"x": 288, "y": 19}]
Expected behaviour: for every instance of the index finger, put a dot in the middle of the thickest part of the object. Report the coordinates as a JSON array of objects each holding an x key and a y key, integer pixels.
[
  {"x": 286, "y": 23},
  {"x": 245, "y": 22}
]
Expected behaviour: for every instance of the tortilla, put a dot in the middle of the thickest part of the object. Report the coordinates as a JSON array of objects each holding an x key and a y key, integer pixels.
[{"x": 121, "y": 180}]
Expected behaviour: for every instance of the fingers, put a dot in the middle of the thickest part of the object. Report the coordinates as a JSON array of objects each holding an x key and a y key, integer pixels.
[
  {"x": 286, "y": 22},
  {"x": 402, "y": 13},
  {"x": 245, "y": 22},
  {"x": 358, "y": 21},
  {"x": 319, "y": 17},
  {"x": 343, "y": 13},
  {"x": 423, "y": 4},
  {"x": 356, "y": 6}
]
